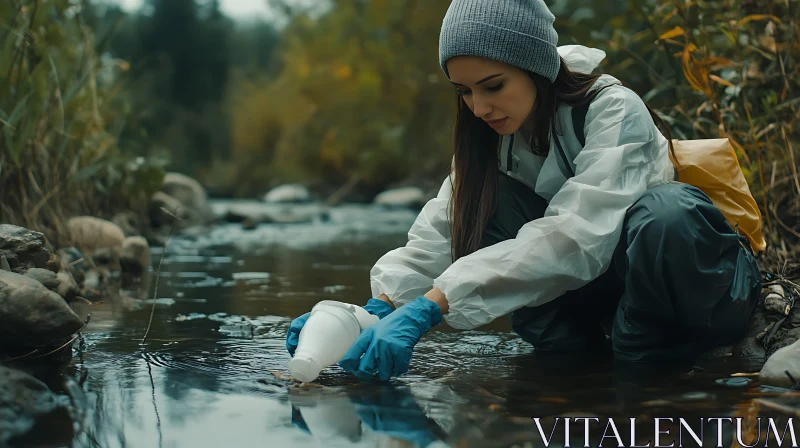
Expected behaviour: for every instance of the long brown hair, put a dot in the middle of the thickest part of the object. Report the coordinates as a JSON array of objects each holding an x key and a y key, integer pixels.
[{"x": 474, "y": 194}]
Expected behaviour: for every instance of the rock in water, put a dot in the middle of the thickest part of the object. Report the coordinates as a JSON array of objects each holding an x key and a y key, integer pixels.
[
  {"x": 129, "y": 222},
  {"x": 73, "y": 261},
  {"x": 24, "y": 249},
  {"x": 33, "y": 314},
  {"x": 67, "y": 286},
  {"x": 23, "y": 401},
  {"x": 191, "y": 196},
  {"x": 47, "y": 278},
  {"x": 90, "y": 233},
  {"x": 174, "y": 206},
  {"x": 786, "y": 359},
  {"x": 187, "y": 216},
  {"x": 288, "y": 193},
  {"x": 411, "y": 197},
  {"x": 135, "y": 257},
  {"x": 185, "y": 189}
]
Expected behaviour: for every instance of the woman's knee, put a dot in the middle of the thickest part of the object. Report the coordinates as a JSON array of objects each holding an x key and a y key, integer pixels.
[
  {"x": 687, "y": 273},
  {"x": 732, "y": 314},
  {"x": 674, "y": 212},
  {"x": 665, "y": 206}
]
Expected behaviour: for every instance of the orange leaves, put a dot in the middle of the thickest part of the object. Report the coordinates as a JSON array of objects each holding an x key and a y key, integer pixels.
[
  {"x": 719, "y": 80},
  {"x": 698, "y": 65},
  {"x": 744, "y": 67},
  {"x": 696, "y": 73},
  {"x": 717, "y": 62},
  {"x": 675, "y": 32},
  {"x": 756, "y": 17}
]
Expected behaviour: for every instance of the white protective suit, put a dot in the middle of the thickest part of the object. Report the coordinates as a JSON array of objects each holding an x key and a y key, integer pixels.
[{"x": 571, "y": 245}]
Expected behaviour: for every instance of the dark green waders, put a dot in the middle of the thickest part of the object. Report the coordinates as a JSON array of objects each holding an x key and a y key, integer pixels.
[{"x": 681, "y": 281}]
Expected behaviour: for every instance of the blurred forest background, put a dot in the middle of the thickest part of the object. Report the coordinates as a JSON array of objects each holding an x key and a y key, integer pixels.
[{"x": 97, "y": 102}]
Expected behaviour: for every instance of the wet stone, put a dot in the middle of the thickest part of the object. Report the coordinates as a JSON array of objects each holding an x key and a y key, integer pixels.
[
  {"x": 24, "y": 400},
  {"x": 787, "y": 359},
  {"x": 47, "y": 278},
  {"x": 32, "y": 313},
  {"x": 24, "y": 249}
]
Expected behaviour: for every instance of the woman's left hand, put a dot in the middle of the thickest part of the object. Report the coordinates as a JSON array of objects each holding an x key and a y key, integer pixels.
[{"x": 386, "y": 347}]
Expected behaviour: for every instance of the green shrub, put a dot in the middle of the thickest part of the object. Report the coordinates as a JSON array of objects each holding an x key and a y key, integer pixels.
[{"x": 61, "y": 112}]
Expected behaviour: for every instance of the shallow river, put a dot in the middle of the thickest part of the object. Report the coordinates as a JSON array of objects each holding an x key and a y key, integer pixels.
[{"x": 213, "y": 371}]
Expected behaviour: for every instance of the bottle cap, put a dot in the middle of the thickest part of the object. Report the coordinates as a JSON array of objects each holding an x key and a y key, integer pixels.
[{"x": 304, "y": 369}]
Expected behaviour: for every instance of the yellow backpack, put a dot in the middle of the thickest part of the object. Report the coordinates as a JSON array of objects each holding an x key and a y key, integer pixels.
[{"x": 712, "y": 166}]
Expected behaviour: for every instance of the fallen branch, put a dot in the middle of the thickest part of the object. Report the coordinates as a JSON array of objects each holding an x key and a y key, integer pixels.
[
  {"x": 20, "y": 357},
  {"x": 59, "y": 348}
]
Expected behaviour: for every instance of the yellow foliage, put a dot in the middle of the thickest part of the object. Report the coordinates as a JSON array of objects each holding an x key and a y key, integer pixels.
[
  {"x": 354, "y": 96},
  {"x": 719, "y": 80},
  {"x": 757, "y": 17},
  {"x": 717, "y": 62},
  {"x": 696, "y": 74},
  {"x": 675, "y": 32}
]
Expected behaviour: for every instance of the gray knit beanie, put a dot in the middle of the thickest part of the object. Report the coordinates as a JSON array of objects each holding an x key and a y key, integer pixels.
[{"x": 517, "y": 32}]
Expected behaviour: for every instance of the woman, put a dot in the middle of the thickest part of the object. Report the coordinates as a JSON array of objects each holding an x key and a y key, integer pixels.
[{"x": 569, "y": 238}]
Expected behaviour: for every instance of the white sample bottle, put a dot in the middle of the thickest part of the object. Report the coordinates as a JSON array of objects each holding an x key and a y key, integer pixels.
[{"x": 326, "y": 336}]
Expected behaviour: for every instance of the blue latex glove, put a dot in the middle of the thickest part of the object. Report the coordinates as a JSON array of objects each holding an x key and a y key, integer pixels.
[
  {"x": 374, "y": 306},
  {"x": 293, "y": 335},
  {"x": 378, "y": 307},
  {"x": 386, "y": 347}
]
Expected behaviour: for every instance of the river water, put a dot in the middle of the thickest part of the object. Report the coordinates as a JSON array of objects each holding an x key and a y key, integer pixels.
[{"x": 213, "y": 371}]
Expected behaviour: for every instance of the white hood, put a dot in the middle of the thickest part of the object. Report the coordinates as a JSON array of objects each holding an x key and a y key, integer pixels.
[{"x": 581, "y": 59}]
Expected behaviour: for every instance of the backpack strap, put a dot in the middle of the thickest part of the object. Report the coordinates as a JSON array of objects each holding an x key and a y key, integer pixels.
[
  {"x": 578, "y": 121},
  {"x": 562, "y": 161},
  {"x": 510, "y": 155}
]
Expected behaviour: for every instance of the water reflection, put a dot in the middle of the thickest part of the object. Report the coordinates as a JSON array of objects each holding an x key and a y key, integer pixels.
[{"x": 374, "y": 415}]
